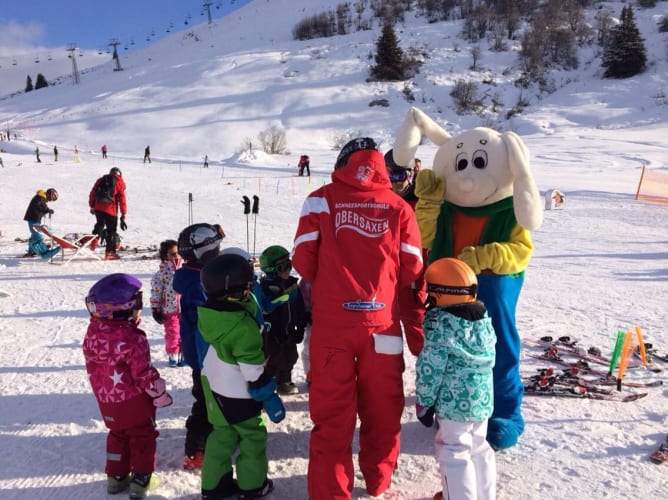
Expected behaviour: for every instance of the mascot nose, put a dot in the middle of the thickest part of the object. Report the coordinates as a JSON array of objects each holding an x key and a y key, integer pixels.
[{"x": 466, "y": 185}]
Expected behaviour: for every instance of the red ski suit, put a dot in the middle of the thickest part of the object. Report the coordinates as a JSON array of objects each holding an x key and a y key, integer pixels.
[{"x": 359, "y": 244}]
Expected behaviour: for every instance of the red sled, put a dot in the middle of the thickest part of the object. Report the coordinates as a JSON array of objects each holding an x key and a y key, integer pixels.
[{"x": 80, "y": 245}]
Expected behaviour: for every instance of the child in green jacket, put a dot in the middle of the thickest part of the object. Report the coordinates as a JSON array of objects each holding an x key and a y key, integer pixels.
[{"x": 236, "y": 386}]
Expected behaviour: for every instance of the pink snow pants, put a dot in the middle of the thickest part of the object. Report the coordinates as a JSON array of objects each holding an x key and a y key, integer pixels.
[{"x": 172, "y": 333}]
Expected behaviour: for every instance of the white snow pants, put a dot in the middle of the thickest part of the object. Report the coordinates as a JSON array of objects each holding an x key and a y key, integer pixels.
[{"x": 466, "y": 461}]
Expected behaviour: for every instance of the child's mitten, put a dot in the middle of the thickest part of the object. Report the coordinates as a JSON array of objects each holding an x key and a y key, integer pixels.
[{"x": 425, "y": 415}]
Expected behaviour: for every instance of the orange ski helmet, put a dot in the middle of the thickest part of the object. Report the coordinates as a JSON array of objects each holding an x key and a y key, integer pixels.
[{"x": 450, "y": 281}]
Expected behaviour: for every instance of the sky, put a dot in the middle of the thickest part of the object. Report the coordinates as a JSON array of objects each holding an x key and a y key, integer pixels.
[
  {"x": 36, "y": 25},
  {"x": 599, "y": 265}
]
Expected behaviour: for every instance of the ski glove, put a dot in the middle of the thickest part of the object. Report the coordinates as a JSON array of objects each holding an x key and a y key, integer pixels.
[
  {"x": 425, "y": 415},
  {"x": 124, "y": 226},
  {"x": 245, "y": 200},
  {"x": 272, "y": 404},
  {"x": 430, "y": 190},
  {"x": 92, "y": 211},
  {"x": 157, "y": 316},
  {"x": 158, "y": 392},
  {"x": 51, "y": 211}
]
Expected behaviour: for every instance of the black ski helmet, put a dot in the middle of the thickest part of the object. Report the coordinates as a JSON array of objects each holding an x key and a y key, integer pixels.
[
  {"x": 51, "y": 194},
  {"x": 226, "y": 275},
  {"x": 353, "y": 146},
  {"x": 199, "y": 242},
  {"x": 116, "y": 171},
  {"x": 390, "y": 164}
]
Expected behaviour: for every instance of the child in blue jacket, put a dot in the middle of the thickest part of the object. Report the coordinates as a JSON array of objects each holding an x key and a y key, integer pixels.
[{"x": 198, "y": 244}]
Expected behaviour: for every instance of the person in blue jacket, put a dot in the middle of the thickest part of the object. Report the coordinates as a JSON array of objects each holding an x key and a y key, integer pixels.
[{"x": 198, "y": 244}]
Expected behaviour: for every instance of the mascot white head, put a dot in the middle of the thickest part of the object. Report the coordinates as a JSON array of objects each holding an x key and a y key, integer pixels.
[{"x": 479, "y": 166}]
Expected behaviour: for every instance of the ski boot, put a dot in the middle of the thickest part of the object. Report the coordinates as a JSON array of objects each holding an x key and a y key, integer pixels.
[
  {"x": 226, "y": 488},
  {"x": 111, "y": 256},
  {"x": 260, "y": 492},
  {"x": 118, "y": 484},
  {"x": 141, "y": 483}
]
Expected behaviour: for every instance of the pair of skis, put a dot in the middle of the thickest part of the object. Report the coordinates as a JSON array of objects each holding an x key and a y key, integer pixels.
[
  {"x": 566, "y": 346},
  {"x": 550, "y": 382},
  {"x": 255, "y": 210},
  {"x": 581, "y": 392}
]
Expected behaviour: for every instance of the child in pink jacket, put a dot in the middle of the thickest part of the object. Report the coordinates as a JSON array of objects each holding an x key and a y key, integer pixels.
[
  {"x": 165, "y": 304},
  {"x": 126, "y": 385}
]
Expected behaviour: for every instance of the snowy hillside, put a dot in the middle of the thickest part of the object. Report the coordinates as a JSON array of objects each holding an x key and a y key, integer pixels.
[{"x": 599, "y": 265}]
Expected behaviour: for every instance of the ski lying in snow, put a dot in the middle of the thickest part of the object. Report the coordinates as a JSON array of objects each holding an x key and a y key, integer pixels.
[
  {"x": 652, "y": 353},
  {"x": 661, "y": 454},
  {"x": 566, "y": 346},
  {"x": 148, "y": 249},
  {"x": 580, "y": 392},
  {"x": 581, "y": 368}
]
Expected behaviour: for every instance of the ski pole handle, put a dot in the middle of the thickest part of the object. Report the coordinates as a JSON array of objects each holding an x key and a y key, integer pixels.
[{"x": 256, "y": 204}]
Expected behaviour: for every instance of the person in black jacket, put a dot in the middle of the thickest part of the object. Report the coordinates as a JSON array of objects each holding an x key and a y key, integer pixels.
[
  {"x": 285, "y": 316},
  {"x": 37, "y": 209}
]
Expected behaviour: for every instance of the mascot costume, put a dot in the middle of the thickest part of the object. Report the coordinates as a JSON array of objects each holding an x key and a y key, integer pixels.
[{"x": 478, "y": 203}]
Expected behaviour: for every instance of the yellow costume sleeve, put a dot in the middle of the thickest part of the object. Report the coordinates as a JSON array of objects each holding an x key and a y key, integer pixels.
[
  {"x": 508, "y": 257},
  {"x": 430, "y": 191}
]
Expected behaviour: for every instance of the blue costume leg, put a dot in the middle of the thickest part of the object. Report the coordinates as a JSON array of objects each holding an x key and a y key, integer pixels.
[{"x": 500, "y": 295}]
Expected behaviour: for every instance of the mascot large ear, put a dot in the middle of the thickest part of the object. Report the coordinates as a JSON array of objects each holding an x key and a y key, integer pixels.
[
  {"x": 527, "y": 202},
  {"x": 408, "y": 138}
]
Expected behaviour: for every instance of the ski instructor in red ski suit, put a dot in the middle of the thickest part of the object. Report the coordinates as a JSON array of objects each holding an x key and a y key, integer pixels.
[{"x": 359, "y": 244}]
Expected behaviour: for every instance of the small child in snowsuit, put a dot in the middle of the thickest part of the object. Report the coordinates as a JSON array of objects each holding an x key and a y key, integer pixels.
[
  {"x": 198, "y": 244},
  {"x": 236, "y": 383},
  {"x": 127, "y": 387},
  {"x": 285, "y": 316},
  {"x": 165, "y": 305},
  {"x": 37, "y": 209},
  {"x": 454, "y": 381}
]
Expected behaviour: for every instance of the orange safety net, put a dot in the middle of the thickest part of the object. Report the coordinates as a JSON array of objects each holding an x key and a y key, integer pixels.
[{"x": 652, "y": 187}]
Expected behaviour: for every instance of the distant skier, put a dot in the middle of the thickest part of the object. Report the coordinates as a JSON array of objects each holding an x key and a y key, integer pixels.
[
  {"x": 37, "y": 209},
  {"x": 206, "y": 161},
  {"x": 147, "y": 154},
  {"x": 304, "y": 163},
  {"x": 55, "y": 153},
  {"x": 76, "y": 155},
  {"x": 37, "y": 154},
  {"x": 105, "y": 199},
  {"x": 104, "y": 151}
]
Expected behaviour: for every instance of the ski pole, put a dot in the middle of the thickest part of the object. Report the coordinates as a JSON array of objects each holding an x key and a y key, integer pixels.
[
  {"x": 247, "y": 209},
  {"x": 256, "y": 210},
  {"x": 190, "y": 209}
]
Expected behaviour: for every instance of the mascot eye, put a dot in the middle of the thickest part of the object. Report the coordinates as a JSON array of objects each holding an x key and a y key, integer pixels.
[
  {"x": 480, "y": 159},
  {"x": 462, "y": 162}
]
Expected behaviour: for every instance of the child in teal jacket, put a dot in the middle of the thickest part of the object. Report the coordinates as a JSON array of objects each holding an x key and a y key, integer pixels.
[{"x": 454, "y": 380}]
